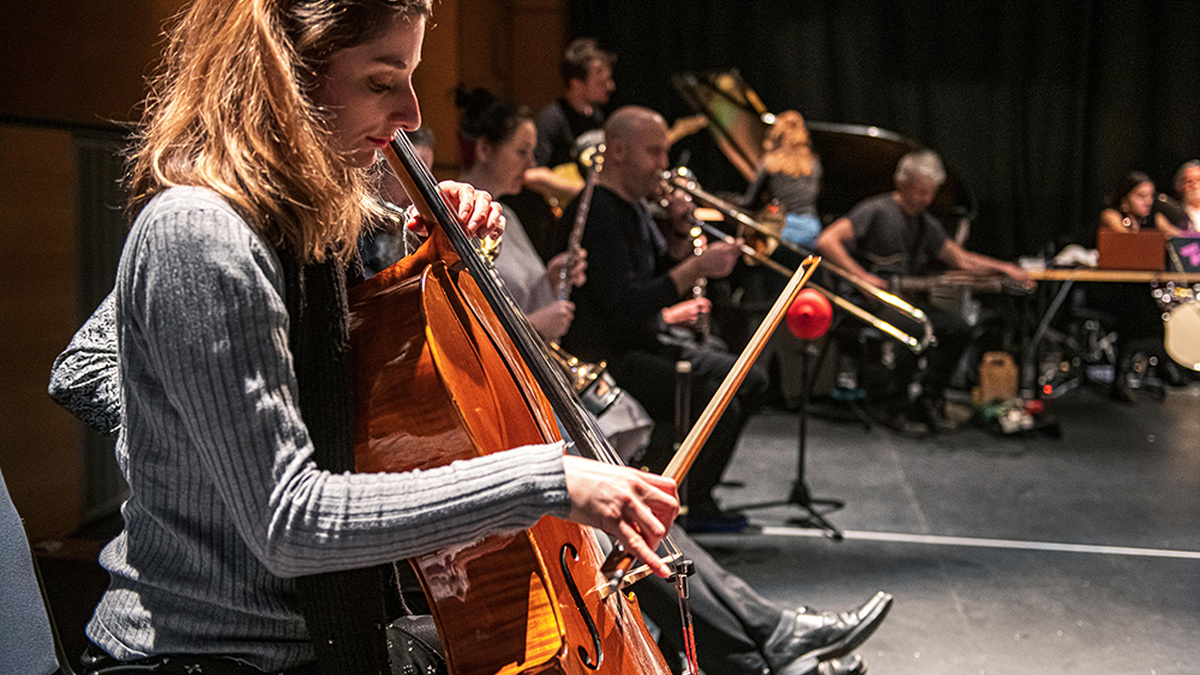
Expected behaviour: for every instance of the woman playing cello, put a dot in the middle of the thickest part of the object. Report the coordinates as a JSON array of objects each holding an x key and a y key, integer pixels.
[{"x": 250, "y": 183}]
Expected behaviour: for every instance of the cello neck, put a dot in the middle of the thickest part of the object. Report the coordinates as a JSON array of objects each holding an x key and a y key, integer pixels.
[{"x": 428, "y": 199}]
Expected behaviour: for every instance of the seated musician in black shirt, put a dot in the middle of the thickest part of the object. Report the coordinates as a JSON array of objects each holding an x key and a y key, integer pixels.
[
  {"x": 554, "y": 179},
  {"x": 637, "y": 279},
  {"x": 894, "y": 234},
  {"x": 588, "y": 82}
]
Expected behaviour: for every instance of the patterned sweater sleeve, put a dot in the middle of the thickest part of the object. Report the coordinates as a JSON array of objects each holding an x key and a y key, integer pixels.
[{"x": 84, "y": 379}]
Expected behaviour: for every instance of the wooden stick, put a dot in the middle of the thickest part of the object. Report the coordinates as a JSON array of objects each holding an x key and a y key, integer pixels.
[
  {"x": 1118, "y": 276},
  {"x": 685, "y": 456}
]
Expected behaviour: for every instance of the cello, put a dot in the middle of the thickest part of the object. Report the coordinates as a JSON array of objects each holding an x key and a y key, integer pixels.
[{"x": 448, "y": 368}]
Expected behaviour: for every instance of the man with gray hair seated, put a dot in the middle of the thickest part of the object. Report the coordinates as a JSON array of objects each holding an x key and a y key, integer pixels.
[{"x": 894, "y": 234}]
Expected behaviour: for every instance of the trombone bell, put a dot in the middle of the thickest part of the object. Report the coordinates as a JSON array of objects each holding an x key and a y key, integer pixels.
[{"x": 596, "y": 389}]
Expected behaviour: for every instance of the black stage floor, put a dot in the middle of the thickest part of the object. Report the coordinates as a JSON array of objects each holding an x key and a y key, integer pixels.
[{"x": 1006, "y": 555}]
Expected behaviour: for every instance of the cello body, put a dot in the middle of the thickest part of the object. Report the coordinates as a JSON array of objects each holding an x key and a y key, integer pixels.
[{"x": 437, "y": 381}]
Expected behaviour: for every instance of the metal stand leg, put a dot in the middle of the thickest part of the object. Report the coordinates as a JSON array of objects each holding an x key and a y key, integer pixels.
[
  {"x": 801, "y": 496},
  {"x": 1029, "y": 360},
  {"x": 854, "y": 405}
]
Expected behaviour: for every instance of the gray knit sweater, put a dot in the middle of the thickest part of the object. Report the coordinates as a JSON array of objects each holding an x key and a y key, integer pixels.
[{"x": 226, "y": 504}]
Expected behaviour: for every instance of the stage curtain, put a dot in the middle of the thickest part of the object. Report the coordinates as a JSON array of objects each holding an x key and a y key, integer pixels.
[{"x": 1037, "y": 105}]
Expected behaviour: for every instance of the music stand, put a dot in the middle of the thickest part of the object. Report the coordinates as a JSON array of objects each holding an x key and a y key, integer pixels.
[{"x": 809, "y": 318}]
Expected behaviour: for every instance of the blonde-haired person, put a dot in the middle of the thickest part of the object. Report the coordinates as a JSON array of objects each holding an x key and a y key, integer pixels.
[
  {"x": 790, "y": 175},
  {"x": 251, "y": 185}
]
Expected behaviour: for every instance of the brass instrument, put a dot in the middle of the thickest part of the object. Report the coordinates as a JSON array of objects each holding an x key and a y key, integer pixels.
[
  {"x": 682, "y": 181},
  {"x": 772, "y": 219},
  {"x": 593, "y": 385},
  {"x": 699, "y": 331}
]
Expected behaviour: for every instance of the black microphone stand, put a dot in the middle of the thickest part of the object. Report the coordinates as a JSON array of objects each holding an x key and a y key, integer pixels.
[{"x": 801, "y": 495}]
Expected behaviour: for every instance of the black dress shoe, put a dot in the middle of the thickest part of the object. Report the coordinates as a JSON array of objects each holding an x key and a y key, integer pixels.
[{"x": 806, "y": 638}]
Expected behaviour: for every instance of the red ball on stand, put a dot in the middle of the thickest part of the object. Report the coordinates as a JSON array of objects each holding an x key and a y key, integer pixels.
[{"x": 810, "y": 315}]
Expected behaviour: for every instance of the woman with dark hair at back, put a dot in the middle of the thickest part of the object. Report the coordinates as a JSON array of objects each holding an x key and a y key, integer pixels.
[
  {"x": 1129, "y": 209},
  {"x": 1130, "y": 206},
  {"x": 496, "y": 143}
]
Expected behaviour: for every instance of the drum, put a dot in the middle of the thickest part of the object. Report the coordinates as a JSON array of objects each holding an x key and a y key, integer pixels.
[{"x": 1182, "y": 334}]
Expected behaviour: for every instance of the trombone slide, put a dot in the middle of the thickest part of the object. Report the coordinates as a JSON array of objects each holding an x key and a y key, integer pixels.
[{"x": 916, "y": 344}]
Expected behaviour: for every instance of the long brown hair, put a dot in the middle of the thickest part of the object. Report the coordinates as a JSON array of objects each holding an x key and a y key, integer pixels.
[
  {"x": 230, "y": 110},
  {"x": 786, "y": 146}
]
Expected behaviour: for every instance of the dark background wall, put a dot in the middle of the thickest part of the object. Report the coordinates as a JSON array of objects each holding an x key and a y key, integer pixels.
[{"x": 1038, "y": 106}]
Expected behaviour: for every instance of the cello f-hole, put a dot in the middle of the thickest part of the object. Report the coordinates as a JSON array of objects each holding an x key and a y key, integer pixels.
[{"x": 569, "y": 552}]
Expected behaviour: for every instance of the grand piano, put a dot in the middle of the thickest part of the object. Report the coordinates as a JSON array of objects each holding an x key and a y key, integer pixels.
[{"x": 858, "y": 161}]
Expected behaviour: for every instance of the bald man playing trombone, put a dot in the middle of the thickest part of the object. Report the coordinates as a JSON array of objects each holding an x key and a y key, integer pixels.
[{"x": 640, "y": 278}]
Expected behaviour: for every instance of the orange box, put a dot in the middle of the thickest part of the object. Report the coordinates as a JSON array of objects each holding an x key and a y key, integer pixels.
[
  {"x": 1145, "y": 250},
  {"x": 997, "y": 377}
]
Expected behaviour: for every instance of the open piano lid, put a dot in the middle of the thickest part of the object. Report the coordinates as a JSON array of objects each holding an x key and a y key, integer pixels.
[{"x": 858, "y": 161}]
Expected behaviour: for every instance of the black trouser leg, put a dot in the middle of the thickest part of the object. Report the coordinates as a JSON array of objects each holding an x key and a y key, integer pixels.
[{"x": 953, "y": 337}]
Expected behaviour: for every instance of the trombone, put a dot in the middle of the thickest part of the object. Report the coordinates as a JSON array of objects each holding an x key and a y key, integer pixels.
[{"x": 681, "y": 179}]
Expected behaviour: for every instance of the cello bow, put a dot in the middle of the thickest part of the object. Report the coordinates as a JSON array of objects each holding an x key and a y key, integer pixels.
[
  {"x": 619, "y": 564},
  {"x": 689, "y": 449}
]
